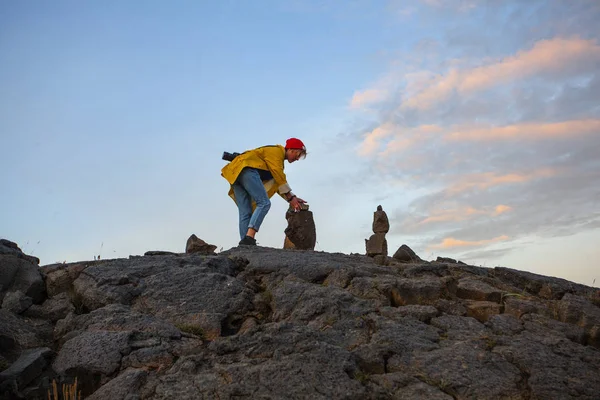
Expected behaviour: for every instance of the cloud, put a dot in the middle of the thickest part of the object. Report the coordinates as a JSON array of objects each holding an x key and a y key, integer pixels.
[
  {"x": 462, "y": 214},
  {"x": 553, "y": 58},
  {"x": 501, "y": 209},
  {"x": 529, "y": 130},
  {"x": 459, "y": 5},
  {"x": 450, "y": 242},
  {"x": 371, "y": 143},
  {"x": 368, "y": 97},
  {"x": 497, "y": 139},
  {"x": 490, "y": 179}
]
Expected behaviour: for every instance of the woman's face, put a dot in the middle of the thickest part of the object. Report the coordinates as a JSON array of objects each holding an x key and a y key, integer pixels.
[{"x": 293, "y": 155}]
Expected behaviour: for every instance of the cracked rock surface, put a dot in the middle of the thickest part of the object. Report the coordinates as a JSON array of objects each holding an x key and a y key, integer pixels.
[{"x": 255, "y": 322}]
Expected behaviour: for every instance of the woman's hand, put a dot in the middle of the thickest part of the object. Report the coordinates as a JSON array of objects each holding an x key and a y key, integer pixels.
[{"x": 296, "y": 203}]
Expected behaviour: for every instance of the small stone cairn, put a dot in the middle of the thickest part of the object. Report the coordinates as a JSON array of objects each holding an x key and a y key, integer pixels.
[
  {"x": 300, "y": 234},
  {"x": 377, "y": 244}
]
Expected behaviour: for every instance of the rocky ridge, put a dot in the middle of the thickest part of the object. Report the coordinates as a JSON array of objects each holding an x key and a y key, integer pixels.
[{"x": 255, "y": 322}]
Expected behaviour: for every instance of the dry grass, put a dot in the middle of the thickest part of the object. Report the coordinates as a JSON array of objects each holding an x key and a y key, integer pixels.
[{"x": 66, "y": 392}]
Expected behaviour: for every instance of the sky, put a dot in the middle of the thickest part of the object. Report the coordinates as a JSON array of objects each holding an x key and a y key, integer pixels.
[{"x": 474, "y": 124}]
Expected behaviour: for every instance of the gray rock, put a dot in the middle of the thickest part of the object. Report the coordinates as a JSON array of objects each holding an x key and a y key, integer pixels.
[
  {"x": 11, "y": 248},
  {"x": 402, "y": 338},
  {"x": 483, "y": 310},
  {"x": 93, "y": 352},
  {"x": 17, "y": 334},
  {"x": 432, "y": 270},
  {"x": 256, "y": 322},
  {"x": 545, "y": 361},
  {"x": 16, "y": 302},
  {"x": 519, "y": 306},
  {"x": 53, "y": 309},
  {"x": 277, "y": 361},
  {"x": 28, "y": 367},
  {"x": 465, "y": 370},
  {"x": 544, "y": 286},
  {"x": 474, "y": 289},
  {"x": 18, "y": 274},
  {"x": 579, "y": 311},
  {"x": 149, "y": 358},
  {"x": 451, "y": 307},
  {"x": 504, "y": 324},
  {"x": 59, "y": 278},
  {"x": 117, "y": 317},
  {"x": 418, "y": 312},
  {"x": 161, "y": 253},
  {"x": 380, "y": 259},
  {"x": 459, "y": 328},
  {"x": 125, "y": 386},
  {"x": 545, "y": 326},
  {"x": 417, "y": 291},
  {"x": 401, "y": 386}
]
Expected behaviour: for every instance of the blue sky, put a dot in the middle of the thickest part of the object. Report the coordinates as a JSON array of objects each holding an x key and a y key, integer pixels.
[{"x": 475, "y": 124}]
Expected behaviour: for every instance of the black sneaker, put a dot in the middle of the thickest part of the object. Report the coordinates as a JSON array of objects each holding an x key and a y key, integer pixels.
[{"x": 248, "y": 241}]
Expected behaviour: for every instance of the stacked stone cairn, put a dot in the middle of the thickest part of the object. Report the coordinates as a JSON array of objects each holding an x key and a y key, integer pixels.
[{"x": 377, "y": 244}]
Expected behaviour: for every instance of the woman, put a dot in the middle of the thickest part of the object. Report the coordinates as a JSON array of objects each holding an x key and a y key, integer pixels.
[{"x": 255, "y": 176}]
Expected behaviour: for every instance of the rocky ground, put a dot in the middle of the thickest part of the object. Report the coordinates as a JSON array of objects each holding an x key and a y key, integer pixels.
[{"x": 257, "y": 322}]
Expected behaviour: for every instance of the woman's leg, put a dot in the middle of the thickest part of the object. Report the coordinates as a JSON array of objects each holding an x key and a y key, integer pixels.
[
  {"x": 250, "y": 180},
  {"x": 244, "y": 204}
]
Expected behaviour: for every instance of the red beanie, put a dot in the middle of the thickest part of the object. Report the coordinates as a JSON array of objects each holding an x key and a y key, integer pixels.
[{"x": 293, "y": 143}]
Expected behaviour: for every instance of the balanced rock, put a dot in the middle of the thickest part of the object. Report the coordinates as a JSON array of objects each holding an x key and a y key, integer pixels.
[
  {"x": 376, "y": 245},
  {"x": 197, "y": 245},
  {"x": 381, "y": 224},
  {"x": 300, "y": 233}
]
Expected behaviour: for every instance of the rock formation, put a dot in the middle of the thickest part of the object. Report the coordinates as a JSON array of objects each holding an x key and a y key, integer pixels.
[
  {"x": 197, "y": 245},
  {"x": 300, "y": 233},
  {"x": 405, "y": 254},
  {"x": 258, "y": 322},
  {"x": 377, "y": 244}
]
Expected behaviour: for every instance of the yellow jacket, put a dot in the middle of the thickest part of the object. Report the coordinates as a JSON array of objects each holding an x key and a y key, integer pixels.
[{"x": 269, "y": 158}]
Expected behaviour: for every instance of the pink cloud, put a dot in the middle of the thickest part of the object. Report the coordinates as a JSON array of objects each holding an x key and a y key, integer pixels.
[
  {"x": 528, "y": 131},
  {"x": 555, "y": 56},
  {"x": 367, "y": 97},
  {"x": 462, "y": 214},
  {"x": 490, "y": 179},
  {"x": 450, "y": 242}
]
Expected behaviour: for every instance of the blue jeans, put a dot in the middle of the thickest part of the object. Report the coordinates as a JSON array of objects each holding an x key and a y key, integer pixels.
[{"x": 246, "y": 188}]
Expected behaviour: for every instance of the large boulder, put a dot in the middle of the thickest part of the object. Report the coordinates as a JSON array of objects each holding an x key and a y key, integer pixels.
[
  {"x": 29, "y": 366},
  {"x": 11, "y": 248},
  {"x": 20, "y": 274}
]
